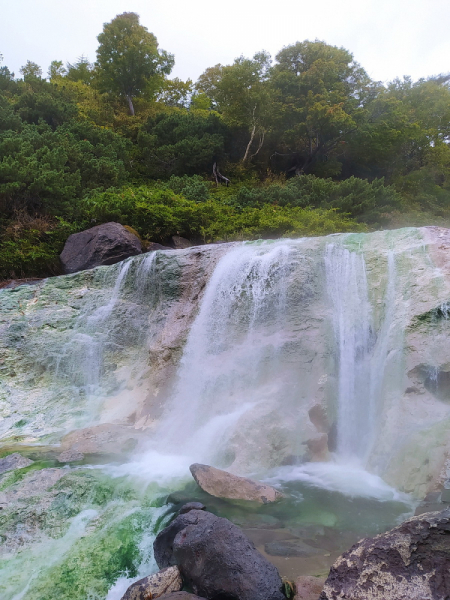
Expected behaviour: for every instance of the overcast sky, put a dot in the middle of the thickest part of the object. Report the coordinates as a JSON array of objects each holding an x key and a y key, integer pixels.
[{"x": 389, "y": 38}]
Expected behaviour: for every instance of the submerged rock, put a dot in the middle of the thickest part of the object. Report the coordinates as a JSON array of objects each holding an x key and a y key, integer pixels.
[
  {"x": 156, "y": 585},
  {"x": 216, "y": 559},
  {"x": 14, "y": 461},
  {"x": 222, "y": 484},
  {"x": 410, "y": 562},
  {"x": 288, "y": 548},
  {"x": 105, "y": 244},
  {"x": 308, "y": 588},
  {"x": 191, "y": 506}
]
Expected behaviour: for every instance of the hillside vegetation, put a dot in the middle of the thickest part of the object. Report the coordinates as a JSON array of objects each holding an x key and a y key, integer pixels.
[{"x": 302, "y": 144}]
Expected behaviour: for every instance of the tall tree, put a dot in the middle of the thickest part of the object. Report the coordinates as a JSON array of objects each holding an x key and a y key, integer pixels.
[
  {"x": 82, "y": 71},
  {"x": 241, "y": 93},
  {"x": 128, "y": 59},
  {"x": 56, "y": 69},
  {"x": 320, "y": 93},
  {"x": 31, "y": 70}
]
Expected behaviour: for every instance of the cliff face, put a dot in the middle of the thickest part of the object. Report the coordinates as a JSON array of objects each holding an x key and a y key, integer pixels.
[{"x": 246, "y": 355}]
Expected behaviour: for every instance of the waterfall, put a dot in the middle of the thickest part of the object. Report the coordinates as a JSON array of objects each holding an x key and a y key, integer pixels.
[
  {"x": 352, "y": 316},
  {"x": 361, "y": 349},
  {"x": 232, "y": 354}
]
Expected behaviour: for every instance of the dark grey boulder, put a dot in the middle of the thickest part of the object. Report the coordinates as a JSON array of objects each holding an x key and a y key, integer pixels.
[
  {"x": 105, "y": 244},
  {"x": 180, "y": 596},
  {"x": 216, "y": 559},
  {"x": 410, "y": 562},
  {"x": 191, "y": 506}
]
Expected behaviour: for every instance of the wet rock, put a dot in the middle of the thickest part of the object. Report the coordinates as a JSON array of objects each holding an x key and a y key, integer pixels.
[
  {"x": 308, "y": 588},
  {"x": 288, "y": 548},
  {"x": 222, "y": 484},
  {"x": 180, "y": 243},
  {"x": 156, "y": 585},
  {"x": 14, "y": 461},
  {"x": 318, "y": 448},
  {"x": 105, "y": 244},
  {"x": 216, "y": 559},
  {"x": 106, "y": 438},
  {"x": 191, "y": 506},
  {"x": 410, "y": 562},
  {"x": 318, "y": 417},
  {"x": 70, "y": 456}
]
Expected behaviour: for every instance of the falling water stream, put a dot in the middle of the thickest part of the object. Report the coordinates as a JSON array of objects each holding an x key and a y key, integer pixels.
[{"x": 282, "y": 328}]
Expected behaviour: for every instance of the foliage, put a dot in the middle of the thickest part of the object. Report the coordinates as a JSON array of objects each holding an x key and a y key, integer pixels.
[
  {"x": 180, "y": 143},
  {"x": 128, "y": 58},
  {"x": 159, "y": 213},
  {"x": 311, "y": 145}
]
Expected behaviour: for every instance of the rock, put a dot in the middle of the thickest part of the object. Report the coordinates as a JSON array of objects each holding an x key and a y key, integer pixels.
[
  {"x": 191, "y": 506},
  {"x": 222, "y": 484},
  {"x": 216, "y": 559},
  {"x": 410, "y": 562},
  {"x": 180, "y": 596},
  {"x": 318, "y": 448},
  {"x": 318, "y": 418},
  {"x": 70, "y": 456},
  {"x": 106, "y": 438},
  {"x": 105, "y": 244},
  {"x": 156, "y": 585},
  {"x": 288, "y": 548},
  {"x": 14, "y": 461},
  {"x": 153, "y": 246},
  {"x": 179, "y": 243},
  {"x": 308, "y": 588}
]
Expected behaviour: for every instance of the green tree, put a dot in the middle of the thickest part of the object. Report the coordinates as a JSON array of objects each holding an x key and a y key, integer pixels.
[
  {"x": 31, "y": 70},
  {"x": 241, "y": 93},
  {"x": 320, "y": 93},
  {"x": 56, "y": 69},
  {"x": 82, "y": 71},
  {"x": 128, "y": 59}
]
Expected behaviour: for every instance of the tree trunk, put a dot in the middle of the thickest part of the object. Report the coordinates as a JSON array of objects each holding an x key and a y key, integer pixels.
[
  {"x": 249, "y": 145},
  {"x": 130, "y": 105}
]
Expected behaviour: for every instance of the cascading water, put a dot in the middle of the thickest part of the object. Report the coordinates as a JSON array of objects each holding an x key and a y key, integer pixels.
[
  {"x": 247, "y": 356},
  {"x": 352, "y": 316}
]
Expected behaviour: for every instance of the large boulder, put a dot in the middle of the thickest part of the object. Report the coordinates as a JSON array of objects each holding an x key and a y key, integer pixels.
[
  {"x": 105, "y": 244},
  {"x": 410, "y": 562},
  {"x": 216, "y": 559},
  {"x": 222, "y": 484},
  {"x": 154, "y": 586}
]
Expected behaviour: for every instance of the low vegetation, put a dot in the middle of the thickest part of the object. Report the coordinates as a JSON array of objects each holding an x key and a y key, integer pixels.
[{"x": 309, "y": 143}]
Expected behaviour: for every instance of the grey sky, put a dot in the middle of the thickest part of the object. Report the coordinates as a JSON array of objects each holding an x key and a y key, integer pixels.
[{"x": 388, "y": 37}]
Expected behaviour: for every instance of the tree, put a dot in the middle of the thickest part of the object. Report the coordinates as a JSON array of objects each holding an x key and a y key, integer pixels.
[
  {"x": 31, "y": 70},
  {"x": 82, "y": 71},
  {"x": 56, "y": 69},
  {"x": 320, "y": 93},
  {"x": 241, "y": 93},
  {"x": 128, "y": 60}
]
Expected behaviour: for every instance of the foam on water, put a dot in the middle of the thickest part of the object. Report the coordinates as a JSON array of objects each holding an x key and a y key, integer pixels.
[{"x": 350, "y": 480}]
